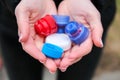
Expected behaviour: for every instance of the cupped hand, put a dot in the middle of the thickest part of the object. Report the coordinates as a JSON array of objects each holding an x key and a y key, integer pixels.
[
  {"x": 82, "y": 11},
  {"x": 27, "y": 13}
]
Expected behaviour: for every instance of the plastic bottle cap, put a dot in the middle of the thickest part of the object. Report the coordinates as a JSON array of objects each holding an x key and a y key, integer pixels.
[
  {"x": 61, "y": 20},
  {"x": 52, "y": 23},
  {"x": 61, "y": 40},
  {"x": 72, "y": 28},
  {"x": 77, "y": 32},
  {"x": 46, "y": 26},
  {"x": 52, "y": 51}
]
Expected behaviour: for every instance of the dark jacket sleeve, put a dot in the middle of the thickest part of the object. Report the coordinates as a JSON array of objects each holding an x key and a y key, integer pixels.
[
  {"x": 7, "y": 17},
  {"x": 9, "y": 4},
  {"x": 100, "y": 4},
  {"x": 103, "y": 4}
]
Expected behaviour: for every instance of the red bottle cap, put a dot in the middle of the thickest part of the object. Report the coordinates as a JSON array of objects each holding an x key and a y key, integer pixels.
[{"x": 46, "y": 26}]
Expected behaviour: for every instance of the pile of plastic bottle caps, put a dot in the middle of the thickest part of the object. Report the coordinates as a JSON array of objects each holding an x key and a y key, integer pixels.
[{"x": 59, "y": 33}]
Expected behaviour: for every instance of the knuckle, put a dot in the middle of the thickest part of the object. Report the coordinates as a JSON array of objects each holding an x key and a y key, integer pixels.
[
  {"x": 98, "y": 14},
  {"x": 25, "y": 48},
  {"x": 94, "y": 14},
  {"x": 16, "y": 10},
  {"x": 102, "y": 29}
]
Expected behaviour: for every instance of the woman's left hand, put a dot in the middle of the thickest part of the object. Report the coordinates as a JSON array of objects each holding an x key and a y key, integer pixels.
[{"x": 82, "y": 11}]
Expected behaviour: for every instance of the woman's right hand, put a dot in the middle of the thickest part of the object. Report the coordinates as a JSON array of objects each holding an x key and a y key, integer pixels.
[{"x": 27, "y": 13}]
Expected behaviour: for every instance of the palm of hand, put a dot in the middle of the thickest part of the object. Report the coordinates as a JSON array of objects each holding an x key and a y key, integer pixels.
[
  {"x": 27, "y": 15},
  {"x": 83, "y": 12}
]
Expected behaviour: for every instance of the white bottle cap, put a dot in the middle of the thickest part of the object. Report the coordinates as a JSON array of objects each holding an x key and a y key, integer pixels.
[{"x": 61, "y": 40}]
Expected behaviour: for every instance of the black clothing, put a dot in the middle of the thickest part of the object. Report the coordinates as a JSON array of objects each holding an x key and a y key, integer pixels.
[{"x": 21, "y": 66}]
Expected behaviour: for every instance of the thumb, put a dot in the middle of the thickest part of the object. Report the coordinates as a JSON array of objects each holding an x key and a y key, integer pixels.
[
  {"x": 62, "y": 9},
  {"x": 23, "y": 24}
]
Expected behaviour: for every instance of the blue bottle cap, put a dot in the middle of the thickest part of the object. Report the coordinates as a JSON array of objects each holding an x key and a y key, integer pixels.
[
  {"x": 61, "y": 30},
  {"x": 77, "y": 32},
  {"x": 71, "y": 28},
  {"x": 52, "y": 51},
  {"x": 61, "y": 20}
]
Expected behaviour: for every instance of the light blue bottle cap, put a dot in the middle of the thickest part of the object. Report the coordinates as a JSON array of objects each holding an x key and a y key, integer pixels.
[
  {"x": 77, "y": 32},
  {"x": 52, "y": 51}
]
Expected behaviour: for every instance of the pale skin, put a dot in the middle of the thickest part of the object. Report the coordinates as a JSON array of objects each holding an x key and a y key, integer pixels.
[
  {"x": 82, "y": 11},
  {"x": 27, "y": 13}
]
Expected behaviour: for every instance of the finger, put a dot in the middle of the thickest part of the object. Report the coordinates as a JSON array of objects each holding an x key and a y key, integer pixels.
[
  {"x": 76, "y": 60},
  {"x": 52, "y": 8},
  {"x": 63, "y": 10},
  {"x": 39, "y": 40},
  {"x": 97, "y": 32},
  {"x": 97, "y": 29},
  {"x": 57, "y": 62},
  {"x": 50, "y": 65},
  {"x": 82, "y": 49},
  {"x": 76, "y": 54},
  {"x": 34, "y": 17},
  {"x": 23, "y": 24},
  {"x": 80, "y": 19},
  {"x": 65, "y": 62},
  {"x": 30, "y": 47}
]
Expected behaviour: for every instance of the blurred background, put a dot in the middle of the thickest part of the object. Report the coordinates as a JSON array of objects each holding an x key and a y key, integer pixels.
[{"x": 109, "y": 65}]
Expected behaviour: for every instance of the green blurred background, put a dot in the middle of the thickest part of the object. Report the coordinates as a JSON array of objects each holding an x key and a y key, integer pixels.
[{"x": 110, "y": 60}]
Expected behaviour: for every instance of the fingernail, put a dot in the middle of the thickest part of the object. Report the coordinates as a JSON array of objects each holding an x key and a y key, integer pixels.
[
  {"x": 52, "y": 72},
  {"x": 101, "y": 43},
  {"x": 20, "y": 38},
  {"x": 42, "y": 61},
  {"x": 63, "y": 70}
]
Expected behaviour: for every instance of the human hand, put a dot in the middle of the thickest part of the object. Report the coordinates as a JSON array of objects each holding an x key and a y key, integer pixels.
[
  {"x": 82, "y": 11},
  {"x": 27, "y": 13}
]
